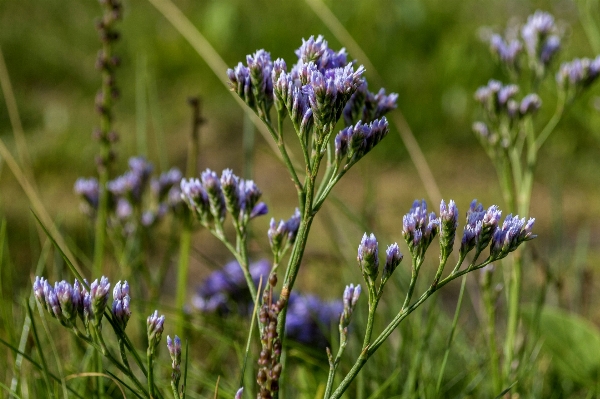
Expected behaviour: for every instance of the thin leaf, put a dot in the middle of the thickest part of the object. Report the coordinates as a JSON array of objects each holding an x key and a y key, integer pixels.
[{"x": 38, "y": 346}]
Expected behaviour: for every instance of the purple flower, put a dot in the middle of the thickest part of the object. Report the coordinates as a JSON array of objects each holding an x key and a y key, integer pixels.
[
  {"x": 481, "y": 226},
  {"x": 38, "y": 290},
  {"x": 195, "y": 196},
  {"x": 530, "y": 104},
  {"x": 98, "y": 298},
  {"x": 579, "y": 73},
  {"x": 538, "y": 27},
  {"x": 64, "y": 293},
  {"x": 392, "y": 260},
  {"x": 419, "y": 229},
  {"x": 356, "y": 141},
  {"x": 514, "y": 232},
  {"x": 174, "y": 347},
  {"x": 89, "y": 190},
  {"x": 368, "y": 257},
  {"x": 448, "y": 225},
  {"x": 120, "y": 306},
  {"x": 318, "y": 52},
  {"x": 507, "y": 52},
  {"x": 155, "y": 328},
  {"x": 165, "y": 182},
  {"x": 349, "y": 300},
  {"x": 549, "y": 49},
  {"x": 212, "y": 184}
]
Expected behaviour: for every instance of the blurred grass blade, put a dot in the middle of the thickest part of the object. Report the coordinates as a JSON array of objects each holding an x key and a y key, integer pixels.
[
  {"x": 185, "y": 369},
  {"x": 38, "y": 346},
  {"x": 406, "y": 134},
  {"x": 572, "y": 341},
  {"x": 506, "y": 390},
  {"x": 36, "y": 364},
  {"x": 74, "y": 269},
  {"x": 35, "y": 201},
  {"x": 15, "y": 119},
  {"x": 10, "y": 392},
  {"x": 110, "y": 376},
  {"x": 249, "y": 341},
  {"x": 141, "y": 109},
  {"x": 217, "y": 388},
  {"x": 211, "y": 57}
]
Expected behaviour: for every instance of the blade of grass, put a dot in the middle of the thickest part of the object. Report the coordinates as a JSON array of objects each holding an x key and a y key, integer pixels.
[
  {"x": 34, "y": 199},
  {"x": 159, "y": 133},
  {"x": 10, "y": 392},
  {"x": 252, "y": 323},
  {"x": 54, "y": 351},
  {"x": 36, "y": 364},
  {"x": 38, "y": 346},
  {"x": 217, "y": 388},
  {"x": 15, "y": 120},
  {"x": 185, "y": 370},
  {"x": 182, "y": 24},
  {"x": 141, "y": 101},
  {"x": 406, "y": 134},
  {"x": 110, "y": 376},
  {"x": 74, "y": 269}
]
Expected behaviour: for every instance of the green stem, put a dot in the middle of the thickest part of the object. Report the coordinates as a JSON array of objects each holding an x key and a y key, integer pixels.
[
  {"x": 185, "y": 244},
  {"x": 560, "y": 107},
  {"x": 488, "y": 300},
  {"x": 451, "y": 336},
  {"x": 150, "y": 357},
  {"x": 368, "y": 352}
]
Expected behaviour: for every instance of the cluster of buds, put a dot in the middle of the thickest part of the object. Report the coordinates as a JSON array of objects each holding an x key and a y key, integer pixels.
[
  {"x": 539, "y": 37},
  {"x": 174, "y": 346},
  {"x": 419, "y": 228},
  {"x": 315, "y": 92},
  {"x": 66, "y": 302},
  {"x": 479, "y": 228},
  {"x": 368, "y": 261},
  {"x": 354, "y": 142},
  {"x": 502, "y": 110},
  {"x": 480, "y": 231},
  {"x": 209, "y": 198},
  {"x": 107, "y": 63},
  {"x": 283, "y": 234},
  {"x": 134, "y": 197},
  {"x": 366, "y": 106},
  {"x": 578, "y": 74},
  {"x": 270, "y": 368}
]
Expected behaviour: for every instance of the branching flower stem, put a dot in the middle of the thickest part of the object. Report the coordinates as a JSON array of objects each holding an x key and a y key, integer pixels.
[{"x": 369, "y": 350}]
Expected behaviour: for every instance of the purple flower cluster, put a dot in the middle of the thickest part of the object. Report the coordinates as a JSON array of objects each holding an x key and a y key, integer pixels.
[
  {"x": 135, "y": 189},
  {"x": 497, "y": 98},
  {"x": 448, "y": 225},
  {"x": 480, "y": 227},
  {"x": 210, "y": 197},
  {"x": 120, "y": 307},
  {"x": 367, "y": 106},
  {"x": 283, "y": 233},
  {"x": 368, "y": 257},
  {"x": 316, "y": 91},
  {"x": 354, "y": 142},
  {"x": 225, "y": 292},
  {"x": 579, "y": 73},
  {"x": 66, "y": 302},
  {"x": 155, "y": 328},
  {"x": 514, "y": 232},
  {"x": 419, "y": 228},
  {"x": 539, "y": 37}
]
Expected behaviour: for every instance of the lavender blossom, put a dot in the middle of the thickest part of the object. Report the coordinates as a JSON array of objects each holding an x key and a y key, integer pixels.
[
  {"x": 514, "y": 232},
  {"x": 174, "y": 347},
  {"x": 350, "y": 298},
  {"x": 368, "y": 258},
  {"x": 506, "y": 51},
  {"x": 318, "y": 52},
  {"x": 579, "y": 73},
  {"x": 480, "y": 227},
  {"x": 120, "y": 306},
  {"x": 356, "y": 141},
  {"x": 196, "y": 198},
  {"x": 538, "y": 27},
  {"x": 155, "y": 328},
  {"x": 260, "y": 67},
  {"x": 448, "y": 225},
  {"x": 240, "y": 83},
  {"x": 64, "y": 293},
  {"x": 98, "y": 298},
  {"x": 165, "y": 182},
  {"x": 212, "y": 184},
  {"x": 530, "y": 104},
  {"x": 38, "y": 290},
  {"x": 89, "y": 190},
  {"x": 392, "y": 260},
  {"x": 239, "y": 393},
  {"x": 419, "y": 229}
]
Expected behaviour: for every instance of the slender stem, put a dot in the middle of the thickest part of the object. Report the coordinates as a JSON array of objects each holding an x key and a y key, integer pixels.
[
  {"x": 452, "y": 330},
  {"x": 278, "y": 137},
  {"x": 560, "y": 107},
  {"x": 185, "y": 244},
  {"x": 488, "y": 300},
  {"x": 150, "y": 357},
  {"x": 413, "y": 282}
]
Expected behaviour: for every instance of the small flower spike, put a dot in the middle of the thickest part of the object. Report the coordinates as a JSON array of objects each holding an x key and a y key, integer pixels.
[
  {"x": 212, "y": 185},
  {"x": 174, "y": 347},
  {"x": 513, "y": 233},
  {"x": 354, "y": 142},
  {"x": 98, "y": 298},
  {"x": 448, "y": 225},
  {"x": 393, "y": 257},
  {"x": 155, "y": 327},
  {"x": 350, "y": 298},
  {"x": 239, "y": 393},
  {"x": 578, "y": 74},
  {"x": 120, "y": 307},
  {"x": 419, "y": 229},
  {"x": 368, "y": 258}
]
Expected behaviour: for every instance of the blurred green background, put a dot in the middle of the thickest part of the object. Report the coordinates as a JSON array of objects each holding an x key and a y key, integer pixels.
[{"x": 430, "y": 52}]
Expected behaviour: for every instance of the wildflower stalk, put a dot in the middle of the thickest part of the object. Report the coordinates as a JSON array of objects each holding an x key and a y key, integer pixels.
[
  {"x": 489, "y": 303},
  {"x": 369, "y": 350},
  {"x": 104, "y": 102}
]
